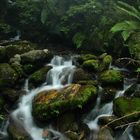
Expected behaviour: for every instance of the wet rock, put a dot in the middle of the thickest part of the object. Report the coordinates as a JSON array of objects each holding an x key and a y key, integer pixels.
[
  {"x": 111, "y": 78},
  {"x": 80, "y": 75},
  {"x": 107, "y": 119},
  {"x": 67, "y": 121},
  {"x": 39, "y": 76},
  {"x": 123, "y": 106},
  {"x": 36, "y": 56},
  {"x": 19, "y": 47},
  {"x": 108, "y": 95},
  {"x": 130, "y": 90},
  {"x": 10, "y": 95},
  {"x": 86, "y": 57},
  {"x": 8, "y": 75},
  {"x": 89, "y": 82},
  {"x": 102, "y": 56},
  {"x": 136, "y": 130},
  {"x": 91, "y": 65},
  {"x": 72, "y": 135},
  {"x": 105, "y": 134},
  {"x": 107, "y": 60},
  {"x": 16, "y": 131},
  {"x": 49, "y": 104}
]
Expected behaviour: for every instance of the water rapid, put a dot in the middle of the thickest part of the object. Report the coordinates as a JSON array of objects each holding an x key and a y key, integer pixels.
[{"x": 59, "y": 76}]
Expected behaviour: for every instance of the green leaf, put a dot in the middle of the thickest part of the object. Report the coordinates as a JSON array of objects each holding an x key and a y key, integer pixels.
[
  {"x": 126, "y": 34},
  {"x": 138, "y": 70},
  {"x": 128, "y": 9}
]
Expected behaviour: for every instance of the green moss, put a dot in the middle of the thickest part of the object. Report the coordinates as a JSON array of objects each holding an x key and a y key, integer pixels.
[
  {"x": 88, "y": 57},
  {"x": 8, "y": 75},
  {"x": 39, "y": 76},
  {"x": 123, "y": 106},
  {"x": 71, "y": 98},
  {"x": 107, "y": 59},
  {"x": 91, "y": 65},
  {"x": 111, "y": 77}
]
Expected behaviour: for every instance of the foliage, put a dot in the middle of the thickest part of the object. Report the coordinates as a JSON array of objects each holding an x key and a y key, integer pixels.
[{"x": 129, "y": 27}]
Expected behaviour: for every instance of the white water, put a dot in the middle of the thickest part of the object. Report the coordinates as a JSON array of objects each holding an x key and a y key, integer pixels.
[
  {"x": 107, "y": 110},
  {"x": 62, "y": 70}
]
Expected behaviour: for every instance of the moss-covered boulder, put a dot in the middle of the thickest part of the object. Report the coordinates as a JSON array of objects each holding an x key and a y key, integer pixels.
[
  {"x": 49, "y": 104},
  {"x": 123, "y": 106},
  {"x": 39, "y": 76},
  {"x": 8, "y": 75},
  {"x": 80, "y": 75},
  {"x": 111, "y": 77},
  {"x": 36, "y": 56},
  {"x": 107, "y": 60},
  {"x": 86, "y": 57},
  {"x": 91, "y": 65},
  {"x": 136, "y": 130}
]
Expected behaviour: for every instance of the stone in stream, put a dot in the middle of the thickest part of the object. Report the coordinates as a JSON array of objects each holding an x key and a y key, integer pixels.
[
  {"x": 111, "y": 78},
  {"x": 80, "y": 75},
  {"x": 39, "y": 76},
  {"x": 123, "y": 106},
  {"x": 53, "y": 103}
]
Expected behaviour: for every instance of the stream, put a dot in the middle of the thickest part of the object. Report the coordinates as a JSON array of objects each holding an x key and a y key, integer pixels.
[{"x": 58, "y": 77}]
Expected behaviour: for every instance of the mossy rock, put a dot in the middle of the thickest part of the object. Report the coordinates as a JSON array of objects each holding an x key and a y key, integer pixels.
[
  {"x": 123, "y": 106},
  {"x": 18, "y": 48},
  {"x": 111, "y": 77},
  {"x": 49, "y": 104},
  {"x": 39, "y": 76},
  {"x": 107, "y": 60},
  {"x": 80, "y": 75},
  {"x": 136, "y": 130},
  {"x": 36, "y": 56},
  {"x": 8, "y": 75},
  {"x": 91, "y": 65}
]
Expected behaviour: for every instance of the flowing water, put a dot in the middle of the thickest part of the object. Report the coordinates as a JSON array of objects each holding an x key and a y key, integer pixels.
[
  {"x": 58, "y": 77},
  {"x": 107, "y": 110}
]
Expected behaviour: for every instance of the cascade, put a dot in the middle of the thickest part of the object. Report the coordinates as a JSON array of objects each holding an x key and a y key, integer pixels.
[{"x": 61, "y": 70}]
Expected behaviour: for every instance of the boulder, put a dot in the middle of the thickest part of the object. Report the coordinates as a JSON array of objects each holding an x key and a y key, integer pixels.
[
  {"x": 86, "y": 57},
  {"x": 105, "y": 134},
  {"x": 111, "y": 77},
  {"x": 8, "y": 76},
  {"x": 91, "y": 65},
  {"x": 39, "y": 76},
  {"x": 108, "y": 95},
  {"x": 16, "y": 131},
  {"x": 50, "y": 104},
  {"x": 19, "y": 47},
  {"x": 80, "y": 75},
  {"x": 36, "y": 56},
  {"x": 123, "y": 106},
  {"x": 10, "y": 95}
]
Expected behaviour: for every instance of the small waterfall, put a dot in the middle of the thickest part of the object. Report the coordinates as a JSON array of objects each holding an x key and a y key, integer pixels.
[
  {"x": 3, "y": 129},
  {"x": 106, "y": 110},
  {"x": 62, "y": 70}
]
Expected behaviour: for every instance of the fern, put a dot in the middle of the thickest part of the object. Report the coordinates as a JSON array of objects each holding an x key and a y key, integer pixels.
[{"x": 128, "y": 9}]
